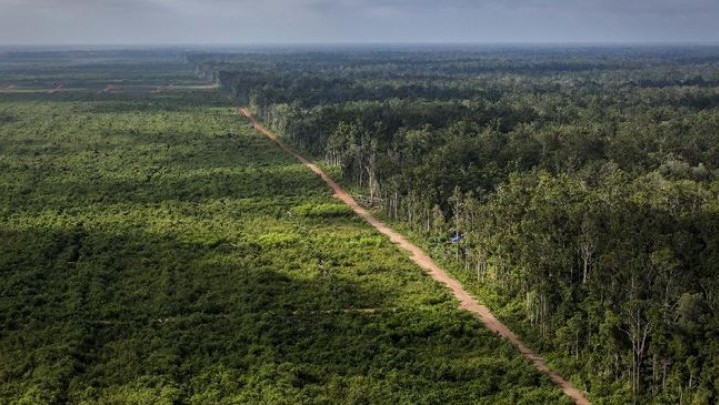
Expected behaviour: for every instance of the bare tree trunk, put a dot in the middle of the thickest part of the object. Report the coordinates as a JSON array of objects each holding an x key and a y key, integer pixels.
[
  {"x": 586, "y": 250},
  {"x": 638, "y": 331}
]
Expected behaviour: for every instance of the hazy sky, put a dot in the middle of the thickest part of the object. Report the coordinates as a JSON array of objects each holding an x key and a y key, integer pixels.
[{"x": 319, "y": 21}]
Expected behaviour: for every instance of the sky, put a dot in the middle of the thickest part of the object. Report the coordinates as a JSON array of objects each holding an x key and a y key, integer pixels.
[{"x": 129, "y": 22}]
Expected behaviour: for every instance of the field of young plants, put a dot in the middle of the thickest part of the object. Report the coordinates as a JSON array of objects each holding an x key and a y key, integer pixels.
[{"x": 156, "y": 250}]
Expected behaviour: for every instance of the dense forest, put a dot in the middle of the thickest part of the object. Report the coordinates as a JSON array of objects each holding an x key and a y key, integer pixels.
[
  {"x": 579, "y": 185},
  {"x": 154, "y": 249}
]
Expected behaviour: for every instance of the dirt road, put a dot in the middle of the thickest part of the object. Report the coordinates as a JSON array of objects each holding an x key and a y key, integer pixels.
[
  {"x": 109, "y": 88},
  {"x": 423, "y": 260},
  {"x": 60, "y": 87}
]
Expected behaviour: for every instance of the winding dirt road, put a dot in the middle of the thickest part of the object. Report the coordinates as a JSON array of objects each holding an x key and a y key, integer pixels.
[{"x": 423, "y": 260}]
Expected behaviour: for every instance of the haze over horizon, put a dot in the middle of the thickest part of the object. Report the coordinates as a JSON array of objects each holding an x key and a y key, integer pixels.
[{"x": 160, "y": 22}]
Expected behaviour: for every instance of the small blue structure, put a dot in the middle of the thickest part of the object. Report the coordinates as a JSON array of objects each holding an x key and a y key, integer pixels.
[{"x": 456, "y": 238}]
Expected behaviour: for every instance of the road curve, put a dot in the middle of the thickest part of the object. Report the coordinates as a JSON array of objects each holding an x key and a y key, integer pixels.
[{"x": 423, "y": 260}]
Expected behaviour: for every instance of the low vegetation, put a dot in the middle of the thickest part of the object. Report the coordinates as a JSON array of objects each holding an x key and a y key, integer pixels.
[{"x": 156, "y": 250}]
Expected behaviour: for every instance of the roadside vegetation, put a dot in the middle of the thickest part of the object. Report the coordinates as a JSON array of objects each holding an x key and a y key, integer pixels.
[
  {"x": 157, "y": 250},
  {"x": 581, "y": 187}
]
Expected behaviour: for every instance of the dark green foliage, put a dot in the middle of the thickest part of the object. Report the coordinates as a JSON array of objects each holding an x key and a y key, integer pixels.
[
  {"x": 154, "y": 250},
  {"x": 583, "y": 182}
]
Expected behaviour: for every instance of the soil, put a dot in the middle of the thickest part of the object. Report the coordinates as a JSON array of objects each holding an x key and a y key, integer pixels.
[
  {"x": 110, "y": 87},
  {"x": 60, "y": 87}
]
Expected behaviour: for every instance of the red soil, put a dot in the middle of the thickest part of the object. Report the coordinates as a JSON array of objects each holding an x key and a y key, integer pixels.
[
  {"x": 60, "y": 87},
  {"x": 110, "y": 87}
]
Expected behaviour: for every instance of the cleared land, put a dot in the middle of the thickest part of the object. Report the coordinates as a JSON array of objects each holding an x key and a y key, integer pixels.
[
  {"x": 158, "y": 251},
  {"x": 421, "y": 258}
]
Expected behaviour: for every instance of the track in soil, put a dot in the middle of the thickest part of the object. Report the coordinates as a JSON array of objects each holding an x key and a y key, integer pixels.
[{"x": 424, "y": 261}]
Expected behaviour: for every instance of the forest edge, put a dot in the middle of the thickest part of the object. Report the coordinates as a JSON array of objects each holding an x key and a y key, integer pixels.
[{"x": 418, "y": 256}]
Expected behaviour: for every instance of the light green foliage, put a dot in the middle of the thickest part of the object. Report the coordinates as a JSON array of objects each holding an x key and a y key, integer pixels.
[{"x": 156, "y": 251}]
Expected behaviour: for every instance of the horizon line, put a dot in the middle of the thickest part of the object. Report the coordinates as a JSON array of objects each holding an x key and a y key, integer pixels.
[{"x": 638, "y": 43}]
